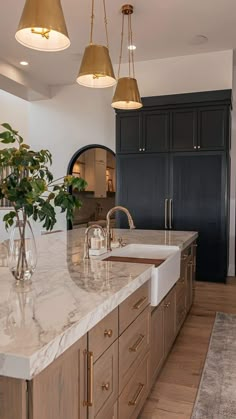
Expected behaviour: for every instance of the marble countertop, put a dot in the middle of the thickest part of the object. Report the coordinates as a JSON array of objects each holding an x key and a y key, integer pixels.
[{"x": 67, "y": 298}]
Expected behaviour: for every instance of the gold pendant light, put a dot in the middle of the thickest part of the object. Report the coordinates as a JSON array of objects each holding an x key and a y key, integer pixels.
[
  {"x": 96, "y": 68},
  {"x": 42, "y": 26},
  {"x": 127, "y": 95}
]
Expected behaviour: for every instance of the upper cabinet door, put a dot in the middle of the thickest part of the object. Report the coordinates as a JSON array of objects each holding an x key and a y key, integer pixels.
[
  {"x": 156, "y": 129},
  {"x": 212, "y": 128},
  {"x": 128, "y": 133},
  {"x": 184, "y": 130}
]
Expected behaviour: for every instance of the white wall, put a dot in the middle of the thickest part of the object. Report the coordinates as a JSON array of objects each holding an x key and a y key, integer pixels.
[
  {"x": 15, "y": 111},
  {"x": 75, "y": 117}
]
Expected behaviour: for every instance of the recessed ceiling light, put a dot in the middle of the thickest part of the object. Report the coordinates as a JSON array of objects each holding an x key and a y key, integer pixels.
[
  {"x": 132, "y": 47},
  {"x": 24, "y": 63},
  {"x": 199, "y": 39}
]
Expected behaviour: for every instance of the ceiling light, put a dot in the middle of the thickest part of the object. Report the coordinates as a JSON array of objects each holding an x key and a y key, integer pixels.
[
  {"x": 127, "y": 93},
  {"x": 96, "y": 68},
  {"x": 24, "y": 63},
  {"x": 42, "y": 26},
  {"x": 132, "y": 47}
]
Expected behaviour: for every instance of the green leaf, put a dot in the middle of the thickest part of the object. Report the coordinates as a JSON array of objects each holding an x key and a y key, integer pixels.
[
  {"x": 7, "y": 137},
  {"x": 7, "y": 126}
]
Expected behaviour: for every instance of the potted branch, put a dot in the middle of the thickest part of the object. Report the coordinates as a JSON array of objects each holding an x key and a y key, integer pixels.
[{"x": 32, "y": 193}]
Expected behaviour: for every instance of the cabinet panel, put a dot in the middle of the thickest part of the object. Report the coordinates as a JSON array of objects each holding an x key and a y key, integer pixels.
[
  {"x": 134, "y": 394},
  {"x": 58, "y": 392},
  {"x": 133, "y": 344},
  {"x": 212, "y": 128},
  {"x": 169, "y": 319},
  {"x": 133, "y": 306},
  {"x": 156, "y": 128},
  {"x": 13, "y": 398},
  {"x": 157, "y": 340},
  {"x": 128, "y": 133},
  {"x": 143, "y": 188},
  {"x": 199, "y": 188},
  {"x": 105, "y": 382},
  {"x": 101, "y": 336},
  {"x": 184, "y": 130}
]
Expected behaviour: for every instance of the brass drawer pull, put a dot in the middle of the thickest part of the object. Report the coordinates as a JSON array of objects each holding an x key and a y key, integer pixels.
[
  {"x": 106, "y": 386},
  {"x": 134, "y": 401},
  {"x": 137, "y": 344},
  {"x": 140, "y": 303},
  {"x": 184, "y": 257},
  {"x": 89, "y": 402},
  {"x": 167, "y": 305},
  {"x": 108, "y": 333}
]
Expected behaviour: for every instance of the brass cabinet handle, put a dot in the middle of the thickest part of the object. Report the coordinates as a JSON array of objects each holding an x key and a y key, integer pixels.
[
  {"x": 167, "y": 305},
  {"x": 106, "y": 386},
  {"x": 170, "y": 214},
  {"x": 89, "y": 402},
  {"x": 166, "y": 213},
  {"x": 140, "y": 303},
  {"x": 137, "y": 344},
  {"x": 134, "y": 401},
  {"x": 108, "y": 333}
]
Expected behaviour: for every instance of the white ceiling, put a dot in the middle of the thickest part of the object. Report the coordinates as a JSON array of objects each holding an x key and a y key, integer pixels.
[{"x": 162, "y": 28}]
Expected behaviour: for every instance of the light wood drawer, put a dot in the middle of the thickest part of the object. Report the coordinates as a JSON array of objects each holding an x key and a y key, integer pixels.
[
  {"x": 133, "y": 344},
  {"x": 105, "y": 384},
  {"x": 134, "y": 394},
  {"x": 103, "y": 334},
  {"x": 133, "y": 306},
  {"x": 180, "y": 311}
]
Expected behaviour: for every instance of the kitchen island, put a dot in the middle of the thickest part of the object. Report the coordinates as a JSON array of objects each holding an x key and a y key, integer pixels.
[{"x": 66, "y": 305}]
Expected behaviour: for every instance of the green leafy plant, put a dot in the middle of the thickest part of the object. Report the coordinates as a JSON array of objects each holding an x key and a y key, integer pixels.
[{"x": 30, "y": 188}]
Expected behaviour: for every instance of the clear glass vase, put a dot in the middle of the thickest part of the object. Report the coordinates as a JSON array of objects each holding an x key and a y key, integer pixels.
[{"x": 22, "y": 254}]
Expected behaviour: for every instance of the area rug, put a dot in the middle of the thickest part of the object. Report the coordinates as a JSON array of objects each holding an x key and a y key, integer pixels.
[{"x": 216, "y": 398}]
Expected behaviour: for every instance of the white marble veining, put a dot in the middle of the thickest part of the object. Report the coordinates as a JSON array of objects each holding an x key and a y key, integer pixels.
[{"x": 68, "y": 297}]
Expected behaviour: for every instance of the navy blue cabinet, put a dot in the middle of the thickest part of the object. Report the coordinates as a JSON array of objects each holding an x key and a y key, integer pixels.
[{"x": 178, "y": 150}]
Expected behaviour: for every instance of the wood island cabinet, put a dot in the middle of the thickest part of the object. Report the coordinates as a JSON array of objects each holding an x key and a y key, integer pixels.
[{"x": 108, "y": 373}]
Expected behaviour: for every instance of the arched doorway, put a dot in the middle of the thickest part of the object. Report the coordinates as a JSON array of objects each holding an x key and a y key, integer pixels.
[{"x": 97, "y": 165}]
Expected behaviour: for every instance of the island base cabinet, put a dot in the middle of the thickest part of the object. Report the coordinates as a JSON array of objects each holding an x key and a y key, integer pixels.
[
  {"x": 169, "y": 319},
  {"x": 13, "y": 399},
  {"x": 157, "y": 341},
  {"x": 135, "y": 392},
  {"x": 59, "y": 391}
]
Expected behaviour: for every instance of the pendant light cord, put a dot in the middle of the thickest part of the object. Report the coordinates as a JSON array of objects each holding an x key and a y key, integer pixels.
[
  {"x": 132, "y": 51},
  {"x": 92, "y": 23},
  {"x": 121, "y": 44},
  {"x": 105, "y": 20}
]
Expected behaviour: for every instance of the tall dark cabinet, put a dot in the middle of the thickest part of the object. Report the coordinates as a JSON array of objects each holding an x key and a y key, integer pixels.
[{"x": 173, "y": 171}]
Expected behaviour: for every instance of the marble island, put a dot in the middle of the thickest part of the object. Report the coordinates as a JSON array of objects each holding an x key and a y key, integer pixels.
[{"x": 68, "y": 297}]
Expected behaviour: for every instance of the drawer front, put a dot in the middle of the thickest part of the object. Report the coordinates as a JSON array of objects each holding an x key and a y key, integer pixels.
[
  {"x": 135, "y": 393},
  {"x": 180, "y": 311},
  {"x": 133, "y": 306},
  {"x": 133, "y": 345},
  {"x": 103, "y": 334}
]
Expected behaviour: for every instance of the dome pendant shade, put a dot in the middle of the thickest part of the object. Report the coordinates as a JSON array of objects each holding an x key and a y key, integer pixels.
[
  {"x": 96, "y": 68},
  {"x": 127, "y": 94},
  {"x": 42, "y": 26}
]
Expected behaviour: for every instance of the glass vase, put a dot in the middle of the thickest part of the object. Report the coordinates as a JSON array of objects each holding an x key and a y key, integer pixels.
[{"x": 22, "y": 254}]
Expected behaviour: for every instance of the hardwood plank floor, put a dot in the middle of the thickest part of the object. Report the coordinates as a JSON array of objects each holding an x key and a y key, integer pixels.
[{"x": 175, "y": 390}]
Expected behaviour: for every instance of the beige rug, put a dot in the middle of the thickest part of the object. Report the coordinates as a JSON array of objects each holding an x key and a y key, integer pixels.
[{"x": 216, "y": 398}]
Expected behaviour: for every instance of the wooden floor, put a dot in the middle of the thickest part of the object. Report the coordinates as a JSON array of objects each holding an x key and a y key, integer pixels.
[{"x": 175, "y": 390}]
